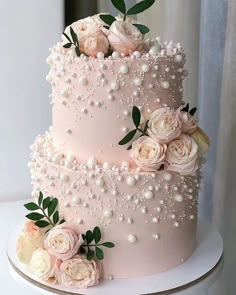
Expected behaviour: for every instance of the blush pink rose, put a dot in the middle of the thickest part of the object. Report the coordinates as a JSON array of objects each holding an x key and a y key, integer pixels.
[
  {"x": 44, "y": 265},
  {"x": 33, "y": 233},
  {"x": 164, "y": 125},
  {"x": 148, "y": 154},
  {"x": 79, "y": 272},
  {"x": 63, "y": 242},
  {"x": 125, "y": 38},
  {"x": 93, "y": 44},
  {"x": 182, "y": 155},
  {"x": 189, "y": 124}
]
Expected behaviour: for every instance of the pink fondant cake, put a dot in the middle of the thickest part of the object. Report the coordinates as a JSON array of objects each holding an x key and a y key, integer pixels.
[{"x": 112, "y": 90}]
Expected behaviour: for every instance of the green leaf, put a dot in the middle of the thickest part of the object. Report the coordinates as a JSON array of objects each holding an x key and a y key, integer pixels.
[
  {"x": 62, "y": 221},
  {"x": 77, "y": 51},
  {"x": 31, "y": 206},
  {"x": 108, "y": 245},
  {"x": 99, "y": 253},
  {"x": 46, "y": 203},
  {"x": 68, "y": 45},
  {"x": 52, "y": 207},
  {"x": 40, "y": 199},
  {"x": 146, "y": 127},
  {"x": 67, "y": 37},
  {"x": 186, "y": 108},
  {"x": 97, "y": 234},
  {"x": 143, "y": 29},
  {"x": 120, "y": 5},
  {"x": 193, "y": 111},
  {"x": 35, "y": 216},
  {"x": 42, "y": 223},
  {"x": 140, "y": 7},
  {"x": 107, "y": 18},
  {"x": 89, "y": 236},
  {"x": 55, "y": 217},
  {"x": 90, "y": 255},
  {"x": 128, "y": 137},
  {"x": 136, "y": 116},
  {"x": 74, "y": 36},
  {"x": 106, "y": 27},
  {"x": 129, "y": 147}
]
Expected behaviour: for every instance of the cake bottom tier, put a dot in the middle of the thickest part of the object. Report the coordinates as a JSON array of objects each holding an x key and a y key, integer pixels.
[{"x": 150, "y": 217}]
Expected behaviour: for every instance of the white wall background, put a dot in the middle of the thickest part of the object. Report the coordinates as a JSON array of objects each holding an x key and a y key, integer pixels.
[{"x": 27, "y": 29}]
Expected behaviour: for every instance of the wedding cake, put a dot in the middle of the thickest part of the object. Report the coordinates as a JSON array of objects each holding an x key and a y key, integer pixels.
[{"x": 121, "y": 162}]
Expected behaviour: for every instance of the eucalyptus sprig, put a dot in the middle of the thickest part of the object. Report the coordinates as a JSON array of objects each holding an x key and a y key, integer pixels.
[
  {"x": 93, "y": 249},
  {"x": 136, "y": 9},
  {"x": 136, "y": 115},
  {"x": 74, "y": 41},
  {"x": 48, "y": 216},
  {"x": 188, "y": 110}
]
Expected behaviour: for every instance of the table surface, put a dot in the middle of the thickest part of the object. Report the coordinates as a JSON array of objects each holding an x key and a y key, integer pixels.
[{"x": 219, "y": 282}]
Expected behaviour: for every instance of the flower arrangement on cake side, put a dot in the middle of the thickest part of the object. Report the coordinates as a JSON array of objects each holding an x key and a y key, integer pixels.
[
  {"x": 103, "y": 35},
  {"x": 170, "y": 140},
  {"x": 54, "y": 252}
]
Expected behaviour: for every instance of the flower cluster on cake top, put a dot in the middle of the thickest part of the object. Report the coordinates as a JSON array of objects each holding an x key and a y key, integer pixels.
[
  {"x": 54, "y": 251},
  {"x": 170, "y": 140},
  {"x": 102, "y": 35}
]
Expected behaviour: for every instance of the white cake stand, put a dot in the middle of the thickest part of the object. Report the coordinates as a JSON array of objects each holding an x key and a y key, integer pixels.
[{"x": 208, "y": 253}]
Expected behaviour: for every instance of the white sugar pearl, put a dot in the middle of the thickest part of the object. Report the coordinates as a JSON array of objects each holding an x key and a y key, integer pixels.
[
  {"x": 131, "y": 181},
  {"x": 137, "y": 54},
  {"x": 83, "y": 81},
  {"x": 80, "y": 221},
  {"x": 130, "y": 220},
  {"x": 115, "y": 54},
  {"x": 191, "y": 217},
  {"x": 107, "y": 166},
  {"x": 68, "y": 164},
  {"x": 167, "y": 69},
  {"x": 67, "y": 205},
  {"x": 76, "y": 200},
  {"x": 110, "y": 277},
  {"x": 100, "y": 182},
  {"x": 178, "y": 58},
  {"x": 167, "y": 176},
  {"x": 108, "y": 213},
  {"x": 145, "y": 68},
  {"x": 148, "y": 195},
  {"x": 154, "y": 76},
  {"x": 92, "y": 162},
  {"x": 138, "y": 81},
  {"x": 144, "y": 210},
  {"x": 156, "y": 67},
  {"x": 173, "y": 216},
  {"x": 125, "y": 129},
  {"x": 159, "y": 209},
  {"x": 155, "y": 219},
  {"x": 100, "y": 55},
  {"x": 64, "y": 177},
  {"x": 125, "y": 164},
  {"x": 115, "y": 86},
  {"x": 176, "y": 224},
  {"x": 165, "y": 84},
  {"x": 156, "y": 236},
  {"x": 84, "y": 110},
  {"x": 129, "y": 197},
  {"x": 179, "y": 198},
  {"x": 111, "y": 97},
  {"x": 132, "y": 238},
  {"x": 124, "y": 69},
  {"x": 153, "y": 51}
]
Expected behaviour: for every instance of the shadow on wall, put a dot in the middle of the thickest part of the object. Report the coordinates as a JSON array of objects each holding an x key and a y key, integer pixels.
[{"x": 75, "y": 10}]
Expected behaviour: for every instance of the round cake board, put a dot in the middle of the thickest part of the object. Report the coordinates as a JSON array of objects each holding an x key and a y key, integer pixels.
[{"x": 207, "y": 254}]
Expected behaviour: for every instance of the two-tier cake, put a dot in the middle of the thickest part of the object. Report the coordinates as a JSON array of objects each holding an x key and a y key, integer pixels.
[{"x": 120, "y": 162}]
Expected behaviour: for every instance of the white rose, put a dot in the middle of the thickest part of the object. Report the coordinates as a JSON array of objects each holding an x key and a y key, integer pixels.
[
  {"x": 164, "y": 125},
  {"x": 44, "y": 265},
  {"x": 88, "y": 26},
  {"x": 182, "y": 155},
  {"x": 24, "y": 249},
  {"x": 125, "y": 37},
  {"x": 148, "y": 154},
  {"x": 79, "y": 272}
]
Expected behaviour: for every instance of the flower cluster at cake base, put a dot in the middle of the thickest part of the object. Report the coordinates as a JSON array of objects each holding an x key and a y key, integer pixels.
[
  {"x": 170, "y": 140},
  {"x": 55, "y": 252}
]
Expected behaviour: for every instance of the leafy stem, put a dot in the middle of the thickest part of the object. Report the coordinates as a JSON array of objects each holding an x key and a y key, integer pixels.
[
  {"x": 74, "y": 41},
  {"x": 143, "y": 132}
]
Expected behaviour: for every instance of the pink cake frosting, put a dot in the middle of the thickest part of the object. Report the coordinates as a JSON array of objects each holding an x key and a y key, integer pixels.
[{"x": 148, "y": 211}]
